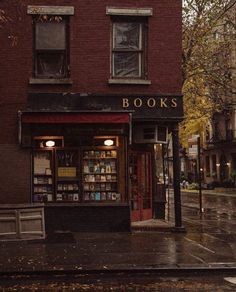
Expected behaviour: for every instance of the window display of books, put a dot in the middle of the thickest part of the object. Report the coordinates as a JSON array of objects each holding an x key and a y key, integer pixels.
[
  {"x": 75, "y": 175},
  {"x": 100, "y": 154},
  {"x": 42, "y": 180},
  {"x": 67, "y": 181},
  {"x": 99, "y": 166},
  {"x": 42, "y": 177},
  {"x": 42, "y": 189},
  {"x": 101, "y": 196},
  {"x": 67, "y": 187},
  {"x": 60, "y": 197},
  {"x": 100, "y": 175},
  {"x": 43, "y": 197},
  {"x": 67, "y": 190}
]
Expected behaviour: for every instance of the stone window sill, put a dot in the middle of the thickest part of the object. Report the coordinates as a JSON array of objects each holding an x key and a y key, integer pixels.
[
  {"x": 129, "y": 81},
  {"x": 50, "y": 81}
]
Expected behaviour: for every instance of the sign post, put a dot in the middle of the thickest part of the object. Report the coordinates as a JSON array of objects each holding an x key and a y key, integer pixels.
[
  {"x": 199, "y": 174},
  {"x": 195, "y": 151}
]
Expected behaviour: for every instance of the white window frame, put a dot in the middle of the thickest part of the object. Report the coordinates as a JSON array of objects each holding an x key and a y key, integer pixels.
[
  {"x": 139, "y": 51},
  {"x": 132, "y": 12}
]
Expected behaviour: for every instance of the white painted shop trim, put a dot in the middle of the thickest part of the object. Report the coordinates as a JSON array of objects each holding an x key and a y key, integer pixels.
[
  {"x": 50, "y": 81},
  {"x": 231, "y": 280},
  {"x": 129, "y": 11},
  {"x": 53, "y": 10},
  {"x": 129, "y": 81}
]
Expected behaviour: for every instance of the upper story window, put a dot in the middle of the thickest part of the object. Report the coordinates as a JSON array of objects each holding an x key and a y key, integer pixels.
[
  {"x": 128, "y": 49},
  {"x": 51, "y": 43},
  {"x": 51, "y": 47},
  {"x": 129, "y": 45}
]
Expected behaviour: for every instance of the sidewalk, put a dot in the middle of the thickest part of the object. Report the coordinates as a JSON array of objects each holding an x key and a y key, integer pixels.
[
  {"x": 208, "y": 243},
  {"x": 224, "y": 192},
  {"x": 139, "y": 251}
]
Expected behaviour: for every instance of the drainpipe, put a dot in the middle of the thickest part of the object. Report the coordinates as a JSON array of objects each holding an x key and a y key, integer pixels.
[{"x": 19, "y": 127}]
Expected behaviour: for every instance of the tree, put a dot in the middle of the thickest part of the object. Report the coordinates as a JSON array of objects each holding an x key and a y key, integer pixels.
[
  {"x": 206, "y": 67},
  {"x": 7, "y": 29}
]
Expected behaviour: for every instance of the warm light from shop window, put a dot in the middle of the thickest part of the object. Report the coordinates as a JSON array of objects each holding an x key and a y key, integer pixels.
[
  {"x": 50, "y": 143},
  {"x": 228, "y": 164},
  {"x": 218, "y": 164},
  {"x": 108, "y": 142}
]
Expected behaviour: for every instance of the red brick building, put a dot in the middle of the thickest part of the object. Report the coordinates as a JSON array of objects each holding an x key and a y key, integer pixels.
[{"x": 78, "y": 73}]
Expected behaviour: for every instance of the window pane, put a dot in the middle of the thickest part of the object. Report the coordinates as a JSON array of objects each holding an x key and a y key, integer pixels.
[
  {"x": 126, "y": 64},
  {"x": 50, "y": 35},
  {"x": 51, "y": 64},
  {"x": 127, "y": 36}
]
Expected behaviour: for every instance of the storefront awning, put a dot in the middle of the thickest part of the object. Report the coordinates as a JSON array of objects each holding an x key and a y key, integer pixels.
[
  {"x": 75, "y": 118},
  {"x": 118, "y": 119}
]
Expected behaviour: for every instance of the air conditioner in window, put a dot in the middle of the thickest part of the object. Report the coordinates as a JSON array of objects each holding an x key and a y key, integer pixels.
[{"x": 150, "y": 134}]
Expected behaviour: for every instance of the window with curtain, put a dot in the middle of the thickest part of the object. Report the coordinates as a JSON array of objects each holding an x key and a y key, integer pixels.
[
  {"x": 128, "y": 48},
  {"x": 51, "y": 47}
]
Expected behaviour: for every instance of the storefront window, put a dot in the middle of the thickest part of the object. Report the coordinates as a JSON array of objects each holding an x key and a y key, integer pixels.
[
  {"x": 78, "y": 174},
  {"x": 43, "y": 176},
  {"x": 100, "y": 175}
]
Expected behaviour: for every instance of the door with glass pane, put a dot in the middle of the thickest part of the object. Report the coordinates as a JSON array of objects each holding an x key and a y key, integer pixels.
[{"x": 140, "y": 171}]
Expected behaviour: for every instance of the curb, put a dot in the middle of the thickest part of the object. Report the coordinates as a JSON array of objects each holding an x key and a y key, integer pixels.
[
  {"x": 171, "y": 229},
  {"x": 209, "y": 194},
  {"x": 171, "y": 271}
]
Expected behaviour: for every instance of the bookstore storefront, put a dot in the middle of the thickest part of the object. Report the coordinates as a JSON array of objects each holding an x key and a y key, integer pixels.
[
  {"x": 79, "y": 168},
  {"x": 78, "y": 157},
  {"x": 94, "y": 167}
]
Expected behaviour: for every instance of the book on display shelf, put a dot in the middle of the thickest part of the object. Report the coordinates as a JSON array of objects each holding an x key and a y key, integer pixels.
[
  {"x": 75, "y": 197},
  {"x": 97, "y": 196},
  {"x": 59, "y": 197},
  {"x": 86, "y": 196},
  {"x": 92, "y": 196}
]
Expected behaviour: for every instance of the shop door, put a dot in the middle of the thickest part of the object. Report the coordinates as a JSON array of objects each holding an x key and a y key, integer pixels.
[{"x": 140, "y": 185}]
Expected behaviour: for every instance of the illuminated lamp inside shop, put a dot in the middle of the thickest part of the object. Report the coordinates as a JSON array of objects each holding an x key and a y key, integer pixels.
[
  {"x": 50, "y": 143},
  {"x": 108, "y": 142}
]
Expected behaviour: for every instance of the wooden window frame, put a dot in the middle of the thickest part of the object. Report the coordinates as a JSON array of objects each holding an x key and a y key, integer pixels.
[
  {"x": 63, "y": 11},
  {"x": 63, "y": 52}
]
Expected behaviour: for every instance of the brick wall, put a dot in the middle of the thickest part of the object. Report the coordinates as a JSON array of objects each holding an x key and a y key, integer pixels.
[
  {"x": 14, "y": 174},
  {"x": 90, "y": 67},
  {"x": 89, "y": 50}
]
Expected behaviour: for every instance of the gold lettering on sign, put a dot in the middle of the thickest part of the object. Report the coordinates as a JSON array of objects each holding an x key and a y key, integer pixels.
[
  {"x": 163, "y": 102},
  {"x": 138, "y": 102},
  {"x": 125, "y": 102},
  {"x": 173, "y": 102},
  {"x": 151, "y": 102}
]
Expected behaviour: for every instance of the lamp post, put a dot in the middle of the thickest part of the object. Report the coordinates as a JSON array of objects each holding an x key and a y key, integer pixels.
[{"x": 199, "y": 173}]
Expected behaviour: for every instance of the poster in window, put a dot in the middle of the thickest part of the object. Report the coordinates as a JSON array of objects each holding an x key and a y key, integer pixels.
[{"x": 42, "y": 162}]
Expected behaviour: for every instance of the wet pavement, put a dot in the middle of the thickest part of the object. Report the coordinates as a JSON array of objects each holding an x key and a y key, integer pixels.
[
  {"x": 209, "y": 243},
  {"x": 122, "y": 283}
]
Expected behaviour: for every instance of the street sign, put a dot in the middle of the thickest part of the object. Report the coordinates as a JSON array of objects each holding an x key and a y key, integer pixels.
[{"x": 193, "y": 150}]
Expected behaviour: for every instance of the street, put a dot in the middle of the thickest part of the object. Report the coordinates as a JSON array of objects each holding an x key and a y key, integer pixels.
[
  {"x": 202, "y": 259},
  {"x": 218, "y": 216},
  {"x": 123, "y": 282},
  {"x": 213, "y": 229}
]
